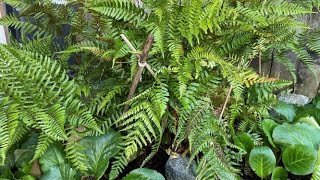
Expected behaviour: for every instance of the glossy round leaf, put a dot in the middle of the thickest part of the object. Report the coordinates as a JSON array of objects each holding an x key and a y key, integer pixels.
[
  {"x": 268, "y": 126},
  {"x": 287, "y": 110},
  {"x": 309, "y": 120},
  {"x": 299, "y": 159},
  {"x": 262, "y": 161},
  {"x": 144, "y": 174},
  {"x": 244, "y": 141},
  {"x": 299, "y": 133},
  {"x": 279, "y": 173}
]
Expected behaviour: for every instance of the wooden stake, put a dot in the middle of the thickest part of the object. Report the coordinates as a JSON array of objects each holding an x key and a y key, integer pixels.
[
  {"x": 141, "y": 64},
  {"x": 260, "y": 63},
  {"x": 226, "y": 101}
]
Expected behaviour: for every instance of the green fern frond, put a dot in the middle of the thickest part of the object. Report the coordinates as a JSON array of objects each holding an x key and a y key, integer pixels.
[
  {"x": 283, "y": 8},
  {"x": 44, "y": 97},
  {"x": 289, "y": 65},
  {"x": 97, "y": 49},
  {"x": 9, "y": 121},
  {"x": 52, "y": 122},
  {"x": 74, "y": 153},
  {"x": 43, "y": 143},
  {"x": 213, "y": 164},
  {"x": 26, "y": 27},
  {"x": 117, "y": 9},
  {"x": 141, "y": 124},
  {"x": 118, "y": 165},
  {"x": 304, "y": 56}
]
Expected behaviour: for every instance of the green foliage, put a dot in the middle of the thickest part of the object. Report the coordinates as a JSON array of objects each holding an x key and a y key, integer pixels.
[
  {"x": 279, "y": 173},
  {"x": 286, "y": 110},
  {"x": 244, "y": 141},
  {"x": 309, "y": 120},
  {"x": 144, "y": 174},
  {"x": 300, "y": 133},
  {"x": 298, "y": 141},
  {"x": 55, "y": 166},
  {"x": 268, "y": 126},
  {"x": 67, "y": 79},
  {"x": 27, "y": 79},
  {"x": 316, "y": 172},
  {"x": 62, "y": 172},
  {"x": 98, "y": 151},
  {"x": 299, "y": 159},
  {"x": 53, "y": 157},
  {"x": 210, "y": 142},
  {"x": 262, "y": 161}
]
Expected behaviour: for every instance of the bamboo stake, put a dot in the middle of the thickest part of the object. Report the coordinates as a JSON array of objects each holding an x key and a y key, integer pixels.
[
  {"x": 226, "y": 101},
  {"x": 141, "y": 64}
]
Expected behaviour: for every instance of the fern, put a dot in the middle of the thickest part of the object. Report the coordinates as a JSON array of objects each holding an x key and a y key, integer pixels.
[
  {"x": 212, "y": 164},
  {"x": 117, "y": 9},
  {"x": 141, "y": 124},
  {"x": 68, "y": 84},
  {"x": 22, "y": 74}
]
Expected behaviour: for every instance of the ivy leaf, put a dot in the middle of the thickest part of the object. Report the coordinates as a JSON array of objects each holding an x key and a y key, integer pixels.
[
  {"x": 98, "y": 151},
  {"x": 299, "y": 159},
  {"x": 144, "y": 174},
  {"x": 54, "y": 164},
  {"x": 62, "y": 172},
  {"x": 279, "y": 173},
  {"x": 262, "y": 161},
  {"x": 6, "y": 174},
  {"x": 24, "y": 155},
  {"x": 268, "y": 126},
  {"x": 9, "y": 163},
  {"x": 299, "y": 133},
  {"x": 287, "y": 110},
  {"x": 244, "y": 141},
  {"x": 54, "y": 156}
]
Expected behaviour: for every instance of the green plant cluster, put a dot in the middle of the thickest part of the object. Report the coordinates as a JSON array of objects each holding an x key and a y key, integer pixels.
[
  {"x": 65, "y": 85},
  {"x": 292, "y": 142}
]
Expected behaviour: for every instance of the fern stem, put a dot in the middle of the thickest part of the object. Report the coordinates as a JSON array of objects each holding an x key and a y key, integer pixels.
[{"x": 226, "y": 101}]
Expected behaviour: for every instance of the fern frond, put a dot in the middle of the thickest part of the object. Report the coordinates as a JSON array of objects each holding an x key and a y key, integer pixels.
[
  {"x": 26, "y": 27},
  {"x": 44, "y": 97},
  {"x": 74, "y": 153},
  {"x": 213, "y": 164},
  {"x": 43, "y": 143},
  {"x": 117, "y": 9},
  {"x": 97, "y": 49},
  {"x": 305, "y": 57},
  {"x": 141, "y": 124},
  {"x": 283, "y": 8},
  {"x": 9, "y": 121},
  {"x": 118, "y": 165}
]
